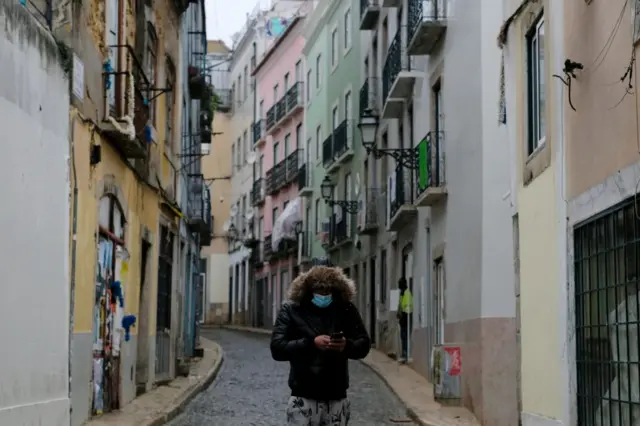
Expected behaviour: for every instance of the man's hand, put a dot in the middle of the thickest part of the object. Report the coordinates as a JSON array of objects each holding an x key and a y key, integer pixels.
[
  {"x": 322, "y": 342},
  {"x": 338, "y": 345}
]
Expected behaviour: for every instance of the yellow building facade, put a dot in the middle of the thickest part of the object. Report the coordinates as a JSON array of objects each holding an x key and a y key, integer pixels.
[
  {"x": 532, "y": 44},
  {"x": 125, "y": 137}
]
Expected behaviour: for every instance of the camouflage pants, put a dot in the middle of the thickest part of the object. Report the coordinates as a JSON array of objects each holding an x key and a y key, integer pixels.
[{"x": 309, "y": 412}]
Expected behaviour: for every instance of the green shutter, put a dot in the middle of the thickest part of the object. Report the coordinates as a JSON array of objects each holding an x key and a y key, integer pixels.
[{"x": 423, "y": 163}]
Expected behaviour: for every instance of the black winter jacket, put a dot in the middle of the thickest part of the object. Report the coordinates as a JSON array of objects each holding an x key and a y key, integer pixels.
[{"x": 317, "y": 374}]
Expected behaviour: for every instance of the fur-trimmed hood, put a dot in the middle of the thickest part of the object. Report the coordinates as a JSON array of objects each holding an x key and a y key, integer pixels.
[{"x": 302, "y": 287}]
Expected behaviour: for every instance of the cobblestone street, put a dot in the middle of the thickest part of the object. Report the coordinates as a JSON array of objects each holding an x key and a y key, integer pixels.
[{"x": 251, "y": 389}]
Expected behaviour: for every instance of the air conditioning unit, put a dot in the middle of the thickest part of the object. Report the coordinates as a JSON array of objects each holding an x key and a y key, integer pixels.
[{"x": 446, "y": 362}]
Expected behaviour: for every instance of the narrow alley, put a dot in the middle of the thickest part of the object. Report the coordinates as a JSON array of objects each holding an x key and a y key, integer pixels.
[{"x": 251, "y": 389}]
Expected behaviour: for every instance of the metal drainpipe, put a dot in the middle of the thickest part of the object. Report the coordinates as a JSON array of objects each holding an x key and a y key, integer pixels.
[
  {"x": 251, "y": 277},
  {"x": 74, "y": 229}
]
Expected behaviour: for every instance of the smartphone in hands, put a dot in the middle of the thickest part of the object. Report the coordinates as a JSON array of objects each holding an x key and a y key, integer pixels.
[{"x": 335, "y": 337}]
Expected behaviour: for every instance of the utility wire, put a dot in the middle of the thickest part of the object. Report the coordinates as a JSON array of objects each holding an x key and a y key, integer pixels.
[{"x": 599, "y": 59}]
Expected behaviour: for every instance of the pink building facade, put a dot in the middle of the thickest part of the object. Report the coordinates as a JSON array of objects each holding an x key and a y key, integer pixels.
[{"x": 278, "y": 133}]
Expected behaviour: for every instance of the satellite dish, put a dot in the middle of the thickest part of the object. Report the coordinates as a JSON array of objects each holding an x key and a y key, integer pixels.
[
  {"x": 357, "y": 188},
  {"x": 251, "y": 157},
  {"x": 249, "y": 213},
  {"x": 226, "y": 226},
  {"x": 234, "y": 211}
]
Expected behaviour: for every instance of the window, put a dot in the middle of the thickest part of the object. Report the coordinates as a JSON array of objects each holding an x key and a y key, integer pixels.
[
  {"x": 299, "y": 71},
  {"x": 536, "y": 86},
  {"x": 274, "y": 216},
  {"x": 299, "y": 135},
  {"x": 233, "y": 156},
  {"x": 606, "y": 317},
  {"x": 261, "y": 166},
  {"x": 276, "y": 147},
  {"x": 286, "y": 82},
  {"x": 275, "y": 93},
  {"x": 285, "y": 204},
  {"x": 347, "y": 30},
  {"x": 237, "y": 161},
  {"x": 318, "y": 59},
  {"x": 261, "y": 109},
  {"x": 287, "y": 145},
  {"x": 308, "y": 153},
  {"x": 334, "y": 47},
  {"x": 383, "y": 276},
  {"x": 152, "y": 65},
  {"x": 243, "y": 210},
  {"x": 347, "y": 105},
  {"x": 246, "y": 82},
  {"x": 309, "y": 86},
  {"x": 239, "y": 90},
  {"x": 261, "y": 228},
  {"x": 334, "y": 118},
  {"x": 317, "y": 225},
  {"x": 169, "y": 101},
  {"x": 318, "y": 141},
  {"x": 233, "y": 94},
  {"x": 245, "y": 145}
]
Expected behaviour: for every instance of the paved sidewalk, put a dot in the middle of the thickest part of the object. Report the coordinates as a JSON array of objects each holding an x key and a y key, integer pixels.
[
  {"x": 163, "y": 403},
  {"x": 415, "y": 391}
]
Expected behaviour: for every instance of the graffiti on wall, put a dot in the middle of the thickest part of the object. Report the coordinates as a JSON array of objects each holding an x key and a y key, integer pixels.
[{"x": 109, "y": 324}]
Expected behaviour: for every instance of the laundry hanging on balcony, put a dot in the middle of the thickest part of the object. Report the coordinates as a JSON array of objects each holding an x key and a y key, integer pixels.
[{"x": 284, "y": 227}]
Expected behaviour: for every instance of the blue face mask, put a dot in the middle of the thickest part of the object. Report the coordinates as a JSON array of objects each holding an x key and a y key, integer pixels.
[{"x": 322, "y": 301}]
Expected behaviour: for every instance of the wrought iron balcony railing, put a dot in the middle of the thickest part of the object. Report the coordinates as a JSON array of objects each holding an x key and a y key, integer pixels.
[
  {"x": 340, "y": 229},
  {"x": 267, "y": 249},
  {"x": 369, "y": 95},
  {"x": 270, "y": 184},
  {"x": 281, "y": 109},
  {"x": 258, "y": 192},
  {"x": 426, "y": 24},
  {"x": 294, "y": 97},
  {"x": 397, "y": 61},
  {"x": 292, "y": 166},
  {"x": 369, "y": 14},
  {"x": 337, "y": 144},
  {"x": 196, "y": 209},
  {"x": 258, "y": 131},
  {"x": 206, "y": 233},
  {"x": 305, "y": 238},
  {"x": 372, "y": 212},
  {"x": 271, "y": 118},
  {"x": 403, "y": 190},
  {"x": 304, "y": 177},
  {"x": 280, "y": 175}
]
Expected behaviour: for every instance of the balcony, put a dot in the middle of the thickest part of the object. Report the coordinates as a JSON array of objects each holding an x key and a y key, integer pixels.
[
  {"x": 267, "y": 249},
  {"x": 206, "y": 234},
  {"x": 398, "y": 79},
  {"x": 270, "y": 181},
  {"x": 258, "y": 192},
  {"x": 294, "y": 98},
  {"x": 257, "y": 256},
  {"x": 305, "y": 184},
  {"x": 369, "y": 98},
  {"x": 222, "y": 99},
  {"x": 196, "y": 210},
  {"x": 372, "y": 211},
  {"x": 369, "y": 14},
  {"x": 126, "y": 93},
  {"x": 339, "y": 231},
  {"x": 197, "y": 82},
  {"x": 283, "y": 110},
  {"x": 337, "y": 149},
  {"x": 292, "y": 166},
  {"x": 426, "y": 25},
  {"x": 401, "y": 197},
  {"x": 280, "y": 174},
  {"x": 391, "y": 3},
  {"x": 430, "y": 185},
  {"x": 259, "y": 133}
]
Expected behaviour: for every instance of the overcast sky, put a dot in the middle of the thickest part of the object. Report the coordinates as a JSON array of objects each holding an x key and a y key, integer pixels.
[{"x": 225, "y": 17}]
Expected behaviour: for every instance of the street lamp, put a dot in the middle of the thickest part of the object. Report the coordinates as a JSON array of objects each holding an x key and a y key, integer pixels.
[
  {"x": 326, "y": 189},
  {"x": 368, "y": 126}
]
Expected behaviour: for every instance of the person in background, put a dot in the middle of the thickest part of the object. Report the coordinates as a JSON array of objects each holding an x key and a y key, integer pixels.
[
  {"x": 317, "y": 331},
  {"x": 405, "y": 308}
]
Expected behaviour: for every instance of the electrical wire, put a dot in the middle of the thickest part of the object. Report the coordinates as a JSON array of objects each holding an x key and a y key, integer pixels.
[{"x": 602, "y": 55}]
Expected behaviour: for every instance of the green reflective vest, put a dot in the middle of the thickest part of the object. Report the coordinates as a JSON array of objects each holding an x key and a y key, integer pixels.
[{"x": 406, "y": 302}]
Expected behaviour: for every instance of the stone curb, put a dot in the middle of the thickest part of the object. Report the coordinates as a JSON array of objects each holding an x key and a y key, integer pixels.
[
  {"x": 178, "y": 407},
  {"x": 410, "y": 412}
]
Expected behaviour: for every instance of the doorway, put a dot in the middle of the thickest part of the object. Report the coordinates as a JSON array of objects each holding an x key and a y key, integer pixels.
[
  {"x": 373, "y": 308},
  {"x": 142, "y": 351}
]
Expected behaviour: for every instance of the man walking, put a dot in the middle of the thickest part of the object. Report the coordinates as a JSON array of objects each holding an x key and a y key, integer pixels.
[
  {"x": 317, "y": 331},
  {"x": 405, "y": 307}
]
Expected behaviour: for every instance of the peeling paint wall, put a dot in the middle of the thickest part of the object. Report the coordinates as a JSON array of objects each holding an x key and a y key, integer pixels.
[{"x": 34, "y": 173}]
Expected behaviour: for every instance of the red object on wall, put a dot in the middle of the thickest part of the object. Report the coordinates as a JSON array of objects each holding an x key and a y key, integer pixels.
[{"x": 454, "y": 362}]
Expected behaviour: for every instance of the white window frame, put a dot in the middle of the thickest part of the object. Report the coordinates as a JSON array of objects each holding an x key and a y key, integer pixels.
[
  {"x": 335, "y": 48},
  {"x": 318, "y": 142},
  {"x": 318, "y": 71},
  {"x": 309, "y": 81},
  {"x": 536, "y": 76},
  {"x": 348, "y": 110},
  {"x": 335, "y": 114},
  {"x": 348, "y": 33}
]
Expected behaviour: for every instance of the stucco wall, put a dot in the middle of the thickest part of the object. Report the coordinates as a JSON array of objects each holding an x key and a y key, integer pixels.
[{"x": 34, "y": 104}]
